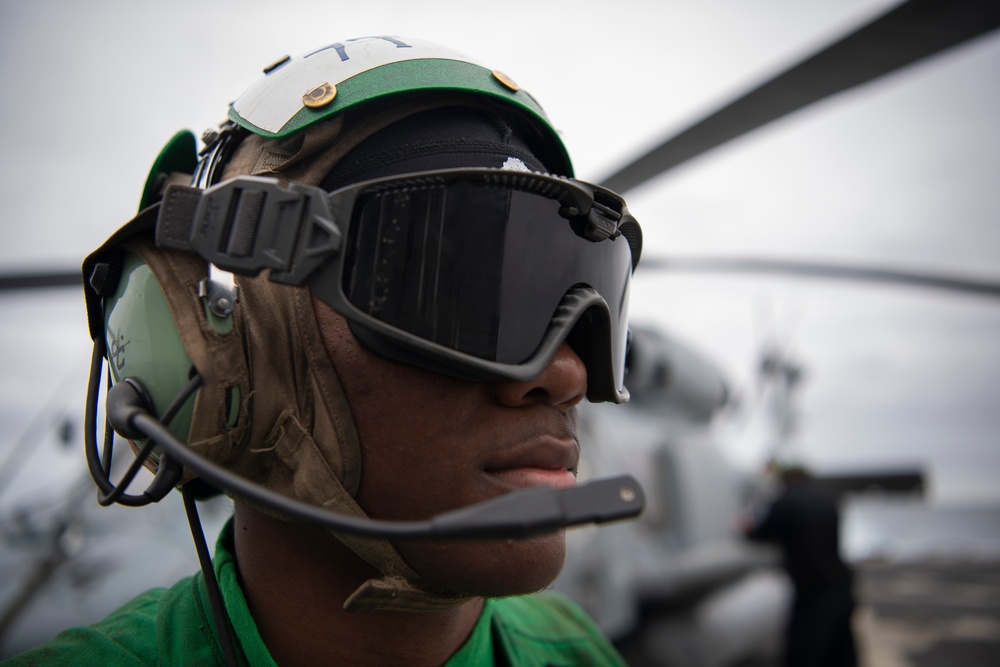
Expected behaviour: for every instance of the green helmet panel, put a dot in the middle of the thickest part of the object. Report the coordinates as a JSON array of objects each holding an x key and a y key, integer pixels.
[{"x": 179, "y": 155}]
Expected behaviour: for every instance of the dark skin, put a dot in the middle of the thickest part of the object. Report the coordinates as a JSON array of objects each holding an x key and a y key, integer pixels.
[{"x": 429, "y": 443}]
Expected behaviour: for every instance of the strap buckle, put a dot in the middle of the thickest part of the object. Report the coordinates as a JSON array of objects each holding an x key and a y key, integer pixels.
[{"x": 251, "y": 223}]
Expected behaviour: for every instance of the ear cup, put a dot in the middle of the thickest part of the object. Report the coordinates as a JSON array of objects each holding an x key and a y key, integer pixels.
[{"x": 142, "y": 341}]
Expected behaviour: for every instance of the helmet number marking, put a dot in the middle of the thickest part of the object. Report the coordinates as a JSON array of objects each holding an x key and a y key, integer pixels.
[{"x": 341, "y": 49}]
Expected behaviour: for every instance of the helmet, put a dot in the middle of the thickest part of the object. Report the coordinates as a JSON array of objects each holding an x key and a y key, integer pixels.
[{"x": 298, "y": 92}]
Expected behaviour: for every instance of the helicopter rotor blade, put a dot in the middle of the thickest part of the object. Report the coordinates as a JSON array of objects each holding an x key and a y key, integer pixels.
[
  {"x": 688, "y": 264},
  {"x": 821, "y": 270},
  {"x": 909, "y": 32},
  {"x": 21, "y": 281},
  {"x": 905, "y": 34}
]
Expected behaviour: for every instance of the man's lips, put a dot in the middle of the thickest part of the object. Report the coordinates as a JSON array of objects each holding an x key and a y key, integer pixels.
[
  {"x": 548, "y": 461},
  {"x": 558, "y": 478}
]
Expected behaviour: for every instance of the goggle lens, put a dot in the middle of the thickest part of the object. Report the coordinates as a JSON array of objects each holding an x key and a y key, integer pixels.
[{"x": 477, "y": 268}]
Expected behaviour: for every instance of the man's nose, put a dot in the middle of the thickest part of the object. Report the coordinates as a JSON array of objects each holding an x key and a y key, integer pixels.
[{"x": 563, "y": 383}]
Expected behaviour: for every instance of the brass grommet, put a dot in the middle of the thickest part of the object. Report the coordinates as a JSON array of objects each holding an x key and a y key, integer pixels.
[
  {"x": 320, "y": 96},
  {"x": 506, "y": 80}
]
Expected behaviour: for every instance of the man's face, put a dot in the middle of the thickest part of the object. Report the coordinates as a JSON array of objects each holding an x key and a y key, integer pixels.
[{"x": 431, "y": 443}]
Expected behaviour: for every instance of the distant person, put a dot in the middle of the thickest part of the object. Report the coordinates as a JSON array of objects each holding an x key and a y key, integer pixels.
[{"x": 805, "y": 522}]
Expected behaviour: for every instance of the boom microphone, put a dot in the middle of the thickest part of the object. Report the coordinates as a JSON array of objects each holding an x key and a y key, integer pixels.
[{"x": 522, "y": 513}]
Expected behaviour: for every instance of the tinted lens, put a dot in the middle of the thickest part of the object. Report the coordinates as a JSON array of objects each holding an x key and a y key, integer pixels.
[
  {"x": 420, "y": 260},
  {"x": 476, "y": 268},
  {"x": 543, "y": 259}
]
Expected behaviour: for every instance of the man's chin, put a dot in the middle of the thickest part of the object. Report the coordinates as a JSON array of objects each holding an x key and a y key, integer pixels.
[{"x": 495, "y": 568}]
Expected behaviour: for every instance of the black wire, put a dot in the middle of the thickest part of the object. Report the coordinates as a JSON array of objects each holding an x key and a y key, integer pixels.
[
  {"x": 152, "y": 428},
  {"x": 219, "y": 615},
  {"x": 524, "y": 513},
  {"x": 100, "y": 467},
  {"x": 109, "y": 440},
  {"x": 126, "y": 480},
  {"x": 143, "y": 454},
  {"x": 182, "y": 396},
  {"x": 94, "y": 460},
  {"x": 109, "y": 492}
]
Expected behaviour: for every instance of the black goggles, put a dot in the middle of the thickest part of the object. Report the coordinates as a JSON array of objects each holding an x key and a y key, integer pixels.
[{"x": 477, "y": 273}]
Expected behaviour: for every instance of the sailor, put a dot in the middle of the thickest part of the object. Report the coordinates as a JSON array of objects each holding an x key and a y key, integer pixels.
[
  {"x": 804, "y": 521},
  {"x": 375, "y": 297}
]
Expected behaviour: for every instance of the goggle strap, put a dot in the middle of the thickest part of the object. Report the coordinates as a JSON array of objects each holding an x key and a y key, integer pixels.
[
  {"x": 249, "y": 224},
  {"x": 176, "y": 217}
]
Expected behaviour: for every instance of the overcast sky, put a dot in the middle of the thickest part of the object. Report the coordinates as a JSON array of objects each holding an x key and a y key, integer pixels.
[{"x": 898, "y": 173}]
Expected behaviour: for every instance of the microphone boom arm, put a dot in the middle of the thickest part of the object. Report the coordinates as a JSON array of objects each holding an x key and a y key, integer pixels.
[{"x": 518, "y": 514}]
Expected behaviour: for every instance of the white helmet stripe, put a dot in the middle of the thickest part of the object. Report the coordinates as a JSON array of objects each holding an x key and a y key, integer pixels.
[{"x": 273, "y": 100}]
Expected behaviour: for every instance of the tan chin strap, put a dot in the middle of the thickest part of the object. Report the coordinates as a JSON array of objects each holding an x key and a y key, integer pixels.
[
  {"x": 302, "y": 440},
  {"x": 398, "y": 594}
]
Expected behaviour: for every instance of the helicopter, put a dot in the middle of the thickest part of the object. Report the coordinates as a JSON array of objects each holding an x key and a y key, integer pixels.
[
  {"x": 691, "y": 602},
  {"x": 691, "y": 415}
]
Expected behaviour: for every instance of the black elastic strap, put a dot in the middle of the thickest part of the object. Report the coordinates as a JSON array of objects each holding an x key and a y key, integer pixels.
[
  {"x": 176, "y": 218},
  {"x": 245, "y": 223}
]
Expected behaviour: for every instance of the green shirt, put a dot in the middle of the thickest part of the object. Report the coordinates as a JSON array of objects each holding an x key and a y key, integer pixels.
[{"x": 173, "y": 626}]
